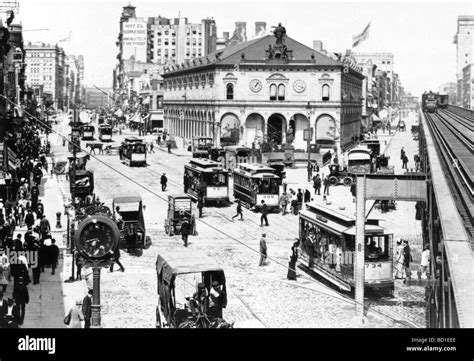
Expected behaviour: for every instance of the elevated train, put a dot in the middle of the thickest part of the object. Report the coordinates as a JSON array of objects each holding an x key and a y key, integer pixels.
[{"x": 431, "y": 102}]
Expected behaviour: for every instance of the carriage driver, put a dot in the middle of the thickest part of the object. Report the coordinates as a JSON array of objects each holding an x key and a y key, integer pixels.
[{"x": 200, "y": 300}]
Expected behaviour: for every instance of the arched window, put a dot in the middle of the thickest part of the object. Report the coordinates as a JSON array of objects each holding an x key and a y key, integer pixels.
[
  {"x": 273, "y": 92},
  {"x": 325, "y": 92},
  {"x": 230, "y": 91},
  {"x": 281, "y": 92}
]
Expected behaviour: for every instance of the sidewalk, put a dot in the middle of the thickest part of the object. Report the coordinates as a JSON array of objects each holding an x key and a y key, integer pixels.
[{"x": 52, "y": 299}]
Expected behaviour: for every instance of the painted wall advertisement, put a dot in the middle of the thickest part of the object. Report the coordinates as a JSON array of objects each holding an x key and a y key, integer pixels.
[{"x": 135, "y": 40}]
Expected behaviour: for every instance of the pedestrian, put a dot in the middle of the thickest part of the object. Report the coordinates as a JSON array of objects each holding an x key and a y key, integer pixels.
[
  {"x": 310, "y": 171},
  {"x": 168, "y": 144},
  {"x": 405, "y": 162},
  {"x": 54, "y": 256},
  {"x": 75, "y": 316},
  {"x": 185, "y": 232},
  {"x": 239, "y": 210},
  {"x": 294, "y": 203},
  {"x": 307, "y": 196},
  {"x": 29, "y": 219},
  {"x": 116, "y": 259},
  {"x": 407, "y": 258},
  {"x": 45, "y": 227},
  {"x": 283, "y": 203},
  {"x": 416, "y": 158},
  {"x": 353, "y": 191},
  {"x": 21, "y": 296},
  {"x": 200, "y": 205},
  {"x": 402, "y": 153},
  {"x": 87, "y": 309},
  {"x": 317, "y": 184},
  {"x": 327, "y": 184},
  {"x": 151, "y": 148},
  {"x": 292, "y": 258},
  {"x": 425, "y": 263},
  {"x": 78, "y": 266},
  {"x": 299, "y": 198},
  {"x": 4, "y": 272},
  {"x": 263, "y": 249},
  {"x": 164, "y": 182},
  {"x": 264, "y": 212},
  {"x": 316, "y": 166}
]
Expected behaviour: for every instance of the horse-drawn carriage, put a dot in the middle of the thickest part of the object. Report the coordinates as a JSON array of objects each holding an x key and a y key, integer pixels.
[
  {"x": 191, "y": 292},
  {"x": 179, "y": 209},
  {"x": 128, "y": 213}
]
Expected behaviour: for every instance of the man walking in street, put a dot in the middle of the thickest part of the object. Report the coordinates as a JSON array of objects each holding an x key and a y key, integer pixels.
[
  {"x": 168, "y": 144},
  {"x": 239, "y": 211},
  {"x": 283, "y": 203},
  {"x": 54, "y": 255},
  {"x": 327, "y": 184},
  {"x": 317, "y": 184},
  {"x": 29, "y": 219},
  {"x": 87, "y": 309},
  {"x": 200, "y": 205},
  {"x": 263, "y": 250},
  {"x": 45, "y": 227},
  {"x": 264, "y": 214},
  {"x": 185, "y": 232},
  {"x": 405, "y": 162},
  {"x": 164, "y": 181},
  {"x": 407, "y": 258}
]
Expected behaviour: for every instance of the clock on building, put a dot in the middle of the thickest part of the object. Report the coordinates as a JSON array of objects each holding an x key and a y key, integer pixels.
[
  {"x": 97, "y": 237},
  {"x": 255, "y": 85},
  {"x": 299, "y": 86}
]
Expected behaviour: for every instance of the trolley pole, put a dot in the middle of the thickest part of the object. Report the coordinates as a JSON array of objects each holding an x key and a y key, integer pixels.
[
  {"x": 359, "y": 270},
  {"x": 95, "y": 307}
]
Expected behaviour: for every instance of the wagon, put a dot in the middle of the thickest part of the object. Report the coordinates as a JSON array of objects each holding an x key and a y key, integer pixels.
[{"x": 179, "y": 209}]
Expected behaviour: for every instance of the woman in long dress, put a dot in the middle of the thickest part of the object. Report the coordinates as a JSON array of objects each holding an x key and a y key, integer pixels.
[
  {"x": 4, "y": 272},
  {"x": 76, "y": 315},
  {"x": 400, "y": 260},
  {"x": 292, "y": 258}
]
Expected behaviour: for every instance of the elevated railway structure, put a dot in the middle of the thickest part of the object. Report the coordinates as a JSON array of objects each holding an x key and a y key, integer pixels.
[{"x": 446, "y": 149}]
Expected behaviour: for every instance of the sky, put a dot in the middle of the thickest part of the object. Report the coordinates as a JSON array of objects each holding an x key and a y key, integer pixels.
[{"x": 419, "y": 34}]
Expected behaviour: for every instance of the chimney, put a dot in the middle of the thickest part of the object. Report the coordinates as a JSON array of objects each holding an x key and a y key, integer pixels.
[
  {"x": 241, "y": 30},
  {"x": 318, "y": 45},
  {"x": 260, "y": 28}
]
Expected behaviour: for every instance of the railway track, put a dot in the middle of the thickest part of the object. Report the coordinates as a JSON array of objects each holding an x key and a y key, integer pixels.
[{"x": 454, "y": 141}]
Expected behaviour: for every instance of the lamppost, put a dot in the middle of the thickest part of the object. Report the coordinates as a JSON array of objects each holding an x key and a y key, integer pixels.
[
  {"x": 96, "y": 240},
  {"x": 308, "y": 136},
  {"x": 18, "y": 63}
]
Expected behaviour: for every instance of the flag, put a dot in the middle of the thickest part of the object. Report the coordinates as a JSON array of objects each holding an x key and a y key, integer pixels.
[
  {"x": 67, "y": 38},
  {"x": 357, "y": 39}
]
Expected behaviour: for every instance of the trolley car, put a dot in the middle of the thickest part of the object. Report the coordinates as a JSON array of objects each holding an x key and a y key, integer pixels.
[
  {"x": 105, "y": 133},
  {"x": 327, "y": 242},
  {"x": 429, "y": 102},
  {"x": 133, "y": 152},
  {"x": 254, "y": 183},
  {"x": 87, "y": 132},
  {"x": 207, "y": 179}
]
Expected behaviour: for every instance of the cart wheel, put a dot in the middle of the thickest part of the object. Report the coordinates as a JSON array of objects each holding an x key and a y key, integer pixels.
[
  {"x": 347, "y": 181},
  {"x": 333, "y": 180}
]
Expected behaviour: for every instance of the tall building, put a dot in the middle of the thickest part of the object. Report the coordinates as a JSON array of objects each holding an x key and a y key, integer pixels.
[
  {"x": 464, "y": 40},
  {"x": 468, "y": 86},
  {"x": 383, "y": 61},
  {"x": 45, "y": 65},
  {"x": 95, "y": 98},
  {"x": 177, "y": 40}
]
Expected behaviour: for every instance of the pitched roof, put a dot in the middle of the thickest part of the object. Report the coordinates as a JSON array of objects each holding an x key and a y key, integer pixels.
[{"x": 255, "y": 50}]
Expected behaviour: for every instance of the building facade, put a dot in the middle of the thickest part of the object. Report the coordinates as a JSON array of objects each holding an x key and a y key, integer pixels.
[
  {"x": 177, "y": 40},
  {"x": 468, "y": 86},
  {"x": 464, "y": 40},
  {"x": 95, "y": 98},
  {"x": 262, "y": 91},
  {"x": 45, "y": 65}
]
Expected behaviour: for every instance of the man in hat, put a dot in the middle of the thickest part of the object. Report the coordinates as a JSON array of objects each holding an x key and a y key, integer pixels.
[
  {"x": 264, "y": 214},
  {"x": 200, "y": 299},
  {"x": 164, "y": 182},
  {"x": 87, "y": 309},
  {"x": 406, "y": 261},
  {"x": 185, "y": 229},
  {"x": 216, "y": 300},
  {"x": 263, "y": 249}
]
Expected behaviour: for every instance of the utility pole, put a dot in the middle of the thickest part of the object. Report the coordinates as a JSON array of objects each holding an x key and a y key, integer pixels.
[{"x": 359, "y": 269}]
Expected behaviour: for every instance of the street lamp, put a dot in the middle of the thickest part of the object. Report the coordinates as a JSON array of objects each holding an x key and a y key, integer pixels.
[{"x": 308, "y": 136}]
